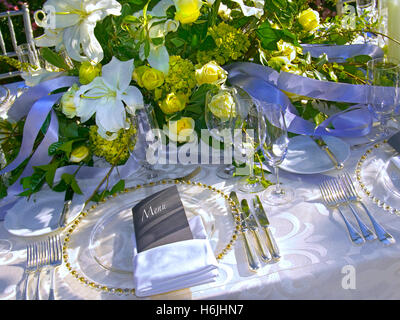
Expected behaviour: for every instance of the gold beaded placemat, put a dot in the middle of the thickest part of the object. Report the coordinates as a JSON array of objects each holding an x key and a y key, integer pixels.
[{"x": 74, "y": 227}]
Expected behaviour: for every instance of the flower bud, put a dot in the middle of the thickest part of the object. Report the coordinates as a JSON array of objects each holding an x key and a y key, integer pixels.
[
  {"x": 87, "y": 72},
  {"x": 67, "y": 102},
  {"x": 79, "y": 154}
]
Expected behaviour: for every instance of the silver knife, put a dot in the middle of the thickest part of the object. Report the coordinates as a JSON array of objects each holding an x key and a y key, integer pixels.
[
  {"x": 253, "y": 226},
  {"x": 264, "y": 223},
  {"x": 251, "y": 257},
  {"x": 322, "y": 144}
]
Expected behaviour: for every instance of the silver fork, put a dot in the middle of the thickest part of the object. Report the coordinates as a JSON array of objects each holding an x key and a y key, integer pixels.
[
  {"x": 340, "y": 196},
  {"x": 30, "y": 267},
  {"x": 353, "y": 196},
  {"x": 55, "y": 260},
  {"x": 326, "y": 193},
  {"x": 41, "y": 259}
]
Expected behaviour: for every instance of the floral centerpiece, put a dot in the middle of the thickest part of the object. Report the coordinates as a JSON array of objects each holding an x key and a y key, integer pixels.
[{"x": 129, "y": 54}]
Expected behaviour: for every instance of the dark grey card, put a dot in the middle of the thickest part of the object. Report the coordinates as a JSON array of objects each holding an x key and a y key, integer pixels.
[
  {"x": 160, "y": 219},
  {"x": 394, "y": 141}
]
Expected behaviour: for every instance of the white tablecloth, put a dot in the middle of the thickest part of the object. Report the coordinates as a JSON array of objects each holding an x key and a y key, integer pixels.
[{"x": 318, "y": 259}]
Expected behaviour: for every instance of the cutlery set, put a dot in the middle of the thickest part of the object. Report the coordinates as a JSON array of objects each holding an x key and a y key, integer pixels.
[
  {"x": 42, "y": 255},
  {"x": 340, "y": 192},
  {"x": 251, "y": 223}
]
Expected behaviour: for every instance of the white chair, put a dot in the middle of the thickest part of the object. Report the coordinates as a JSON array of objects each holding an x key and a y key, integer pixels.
[{"x": 24, "y": 12}]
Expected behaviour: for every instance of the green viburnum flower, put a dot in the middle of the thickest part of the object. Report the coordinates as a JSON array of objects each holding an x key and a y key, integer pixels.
[
  {"x": 231, "y": 44},
  {"x": 181, "y": 78},
  {"x": 110, "y": 150}
]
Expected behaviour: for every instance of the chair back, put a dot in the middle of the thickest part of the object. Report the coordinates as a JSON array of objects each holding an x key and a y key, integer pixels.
[{"x": 24, "y": 12}]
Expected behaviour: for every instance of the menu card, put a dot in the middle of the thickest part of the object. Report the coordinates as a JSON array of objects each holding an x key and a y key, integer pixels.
[
  {"x": 394, "y": 141},
  {"x": 160, "y": 219}
]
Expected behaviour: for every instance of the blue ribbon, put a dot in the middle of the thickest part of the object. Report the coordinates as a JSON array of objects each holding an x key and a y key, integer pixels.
[
  {"x": 267, "y": 86},
  {"x": 36, "y": 104}
]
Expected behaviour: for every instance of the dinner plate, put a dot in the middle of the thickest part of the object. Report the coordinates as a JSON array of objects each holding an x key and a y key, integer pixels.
[
  {"x": 100, "y": 250},
  {"x": 304, "y": 156},
  {"x": 39, "y": 215},
  {"x": 378, "y": 176}
]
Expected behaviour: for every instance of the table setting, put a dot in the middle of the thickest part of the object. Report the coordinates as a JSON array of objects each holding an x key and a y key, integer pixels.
[{"x": 189, "y": 150}]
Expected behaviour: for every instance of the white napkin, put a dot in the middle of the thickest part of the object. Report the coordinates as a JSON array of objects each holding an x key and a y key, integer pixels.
[
  {"x": 396, "y": 161},
  {"x": 175, "y": 265}
]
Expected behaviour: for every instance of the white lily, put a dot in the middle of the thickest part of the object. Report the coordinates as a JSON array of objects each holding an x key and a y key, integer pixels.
[
  {"x": 109, "y": 97},
  {"x": 76, "y": 20},
  {"x": 256, "y": 10},
  {"x": 158, "y": 26}
]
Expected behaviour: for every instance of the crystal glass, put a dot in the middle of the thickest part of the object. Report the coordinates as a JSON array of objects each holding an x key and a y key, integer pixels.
[
  {"x": 369, "y": 10},
  {"x": 146, "y": 125},
  {"x": 27, "y": 53},
  {"x": 223, "y": 118},
  {"x": 5, "y": 101},
  {"x": 274, "y": 145},
  {"x": 250, "y": 143},
  {"x": 383, "y": 72}
]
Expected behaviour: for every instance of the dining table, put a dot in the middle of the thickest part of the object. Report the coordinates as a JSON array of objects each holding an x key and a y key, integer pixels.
[{"x": 318, "y": 259}]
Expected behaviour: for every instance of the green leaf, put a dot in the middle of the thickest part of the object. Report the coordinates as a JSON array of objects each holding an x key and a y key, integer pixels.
[
  {"x": 268, "y": 36},
  {"x": 54, "y": 58},
  {"x": 146, "y": 49},
  {"x": 69, "y": 179},
  {"x": 118, "y": 187},
  {"x": 177, "y": 42}
]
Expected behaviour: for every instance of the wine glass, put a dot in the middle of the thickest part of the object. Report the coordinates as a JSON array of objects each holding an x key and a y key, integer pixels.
[
  {"x": 274, "y": 143},
  {"x": 222, "y": 117},
  {"x": 367, "y": 8},
  {"x": 383, "y": 73},
  {"x": 146, "y": 125},
  {"x": 249, "y": 144}
]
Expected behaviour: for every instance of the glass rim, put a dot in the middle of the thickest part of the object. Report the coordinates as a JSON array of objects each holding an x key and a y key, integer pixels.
[{"x": 386, "y": 60}]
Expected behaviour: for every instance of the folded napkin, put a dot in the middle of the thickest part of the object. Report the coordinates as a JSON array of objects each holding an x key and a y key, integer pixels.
[{"x": 177, "y": 265}]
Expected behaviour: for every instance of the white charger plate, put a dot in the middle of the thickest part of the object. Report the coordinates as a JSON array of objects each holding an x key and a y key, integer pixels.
[
  {"x": 304, "y": 156},
  {"x": 39, "y": 215}
]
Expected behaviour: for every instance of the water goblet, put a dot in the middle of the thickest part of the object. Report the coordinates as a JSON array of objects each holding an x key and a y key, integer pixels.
[
  {"x": 222, "y": 117},
  {"x": 274, "y": 143},
  {"x": 249, "y": 144},
  {"x": 383, "y": 73},
  {"x": 146, "y": 125}
]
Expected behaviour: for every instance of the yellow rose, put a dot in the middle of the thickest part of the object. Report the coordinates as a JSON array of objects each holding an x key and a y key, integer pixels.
[
  {"x": 309, "y": 19},
  {"x": 173, "y": 103},
  {"x": 222, "y": 105},
  {"x": 211, "y": 73},
  {"x": 181, "y": 130},
  {"x": 138, "y": 74},
  {"x": 87, "y": 72},
  {"x": 79, "y": 154},
  {"x": 148, "y": 78},
  {"x": 187, "y": 11},
  {"x": 67, "y": 102}
]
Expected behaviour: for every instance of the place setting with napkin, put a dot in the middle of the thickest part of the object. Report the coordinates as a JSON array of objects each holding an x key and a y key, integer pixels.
[{"x": 170, "y": 251}]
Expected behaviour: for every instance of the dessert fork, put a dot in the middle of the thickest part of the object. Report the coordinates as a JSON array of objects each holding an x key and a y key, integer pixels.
[
  {"x": 329, "y": 200},
  {"x": 54, "y": 259},
  {"x": 353, "y": 196}
]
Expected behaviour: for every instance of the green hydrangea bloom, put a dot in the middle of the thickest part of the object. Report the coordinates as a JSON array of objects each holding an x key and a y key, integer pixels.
[
  {"x": 231, "y": 44},
  {"x": 180, "y": 78},
  {"x": 110, "y": 150}
]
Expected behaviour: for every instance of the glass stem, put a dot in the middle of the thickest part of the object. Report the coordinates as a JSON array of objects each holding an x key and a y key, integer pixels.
[{"x": 278, "y": 184}]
